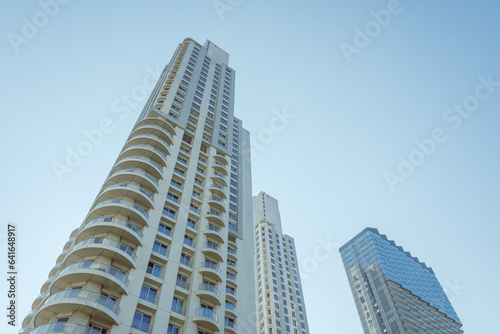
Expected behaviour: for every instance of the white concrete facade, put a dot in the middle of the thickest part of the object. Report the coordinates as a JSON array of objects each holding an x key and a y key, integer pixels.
[
  {"x": 167, "y": 246},
  {"x": 281, "y": 305}
]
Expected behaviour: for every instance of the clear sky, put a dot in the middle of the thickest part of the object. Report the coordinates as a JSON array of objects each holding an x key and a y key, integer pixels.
[{"x": 393, "y": 110}]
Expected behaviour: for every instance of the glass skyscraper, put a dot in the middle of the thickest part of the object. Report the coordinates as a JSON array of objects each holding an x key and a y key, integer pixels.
[{"x": 394, "y": 292}]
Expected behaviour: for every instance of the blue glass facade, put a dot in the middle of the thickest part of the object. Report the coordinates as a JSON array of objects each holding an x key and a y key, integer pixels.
[{"x": 372, "y": 262}]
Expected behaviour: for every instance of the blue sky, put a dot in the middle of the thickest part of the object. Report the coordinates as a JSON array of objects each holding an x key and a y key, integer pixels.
[{"x": 354, "y": 117}]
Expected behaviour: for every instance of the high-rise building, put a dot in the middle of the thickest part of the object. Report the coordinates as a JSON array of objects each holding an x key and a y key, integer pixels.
[
  {"x": 281, "y": 308},
  {"x": 394, "y": 292},
  {"x": 167, "y": 246}
]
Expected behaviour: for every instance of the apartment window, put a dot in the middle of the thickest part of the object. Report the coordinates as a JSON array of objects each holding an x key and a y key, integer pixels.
[
  {"x": 173, "y": 198},
  {"x": 148, "y": 293},
  {"x": 169, "y": 212},
  {"x": 187, "y": 139},
  {"x": 177, "y": 305},
  {"x": 141, "y": 322},
  {"x": 154, "y": 269},
  {"x": 173, "y": 329},
  {"x": 160, "y": 248},
  {"x": 93, "y": 328},
  {"x": 176, "y": 184},
  {"x": 188, "y": 240},
  {"x": 191, "y": 223},
  {"x": 186, "y": 260}
]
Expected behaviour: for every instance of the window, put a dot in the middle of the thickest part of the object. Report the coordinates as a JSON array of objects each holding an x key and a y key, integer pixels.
[
  {"x": 148, "y": 293},
  {"x": 154, "y": 269},
  {"x": 93, "y": 328},
  {"x": 165, "y": 229},
  {"x": 173, "y": 329},
  {"x": 160, "y": 248},
  {"x": 141, "y": 322},
  {"x": 177, "y": 305},
  {"x": 188, "y": 240},
  {"x": 186, "y": 260}
]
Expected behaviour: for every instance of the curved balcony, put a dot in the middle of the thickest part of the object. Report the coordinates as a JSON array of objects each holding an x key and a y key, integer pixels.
[
  {"x": 231, "y": 311},
  {"x": 135, "y": 175},
  {"x": 222, "y": 159},
  {"x": 146, "y": 151},
  {"x": 62, "y": 255},
  {"x": 27, "y": 319},
  {"x": 136, "y": 161},
  {"x": 232, "y": 254},
  {"x": 209, "y": 292},
  {"x": 103, "y": 246},
  {"x": 214, "y": 233},
  {"x": 101, "y": 273},
  {"x": 215, "y": 217},
  {"x": 232, "y": 266},
  {"x": 46, "y": 284},
  {"x": 38, "y": 299},
  {"x": 64, "y": 327},
  {"x": 213, "y": 250},
  {"x": 211, "y": 270},
  {"x": 231, "y": 295},
  {"x": 229, "y": 327},
  {"x": 129, "y": 190},
  {"x": 219, "y": 167},
  {"x": 216, "y": 203},
  {"x": 120, "y": 206},
  {"x": 114, "y": 225},
  {"x": 55, "y": 268},
  {"x": 151, "y": 140},
  {"x": 231, "y": 278},
  {"x": 206, "y": 318},
  {"x": 161, "y": 122},
  {"x": 74, "y": 232},
  {"x": 219, "y": 177},
  {"x": 155, "y": 130},
  {"x": 218, "y": 190},
  {"x": 85, "y": 301},
  {"x": 69, "y": 243}
]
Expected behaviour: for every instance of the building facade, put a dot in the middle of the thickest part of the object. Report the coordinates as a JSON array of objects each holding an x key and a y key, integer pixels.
[
  {"x": 167, "y": 246},
  {"x": 394, "y": 292},
  {"x": 281, "y": 308}
]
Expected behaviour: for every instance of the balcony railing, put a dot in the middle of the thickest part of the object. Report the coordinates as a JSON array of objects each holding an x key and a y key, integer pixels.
[
  {"x": 213, "y": 246},
  {"x": 139, "y": 172},
  {"x": 182, "y": 284},
  {"x": 209, "y": 287},
  {"x": 87, "y": 295},
  {"x": 63, "y": 327},
  {"x": 214, "y": 229},
  {"x": 118, "y": 221},
  {"x": 130, "y": 186},
  {"x": 210, "y": 266},
  {"x": 178, "y": 309},
  {"x": 126, "y": 203},
  {"x": 98, "y": 266},
  {"x": 141, "y": 158},
  {"x": 109, "y": 242},
  {"x": 204, "y": 312},
  {"x": 215, "y": 213}
]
